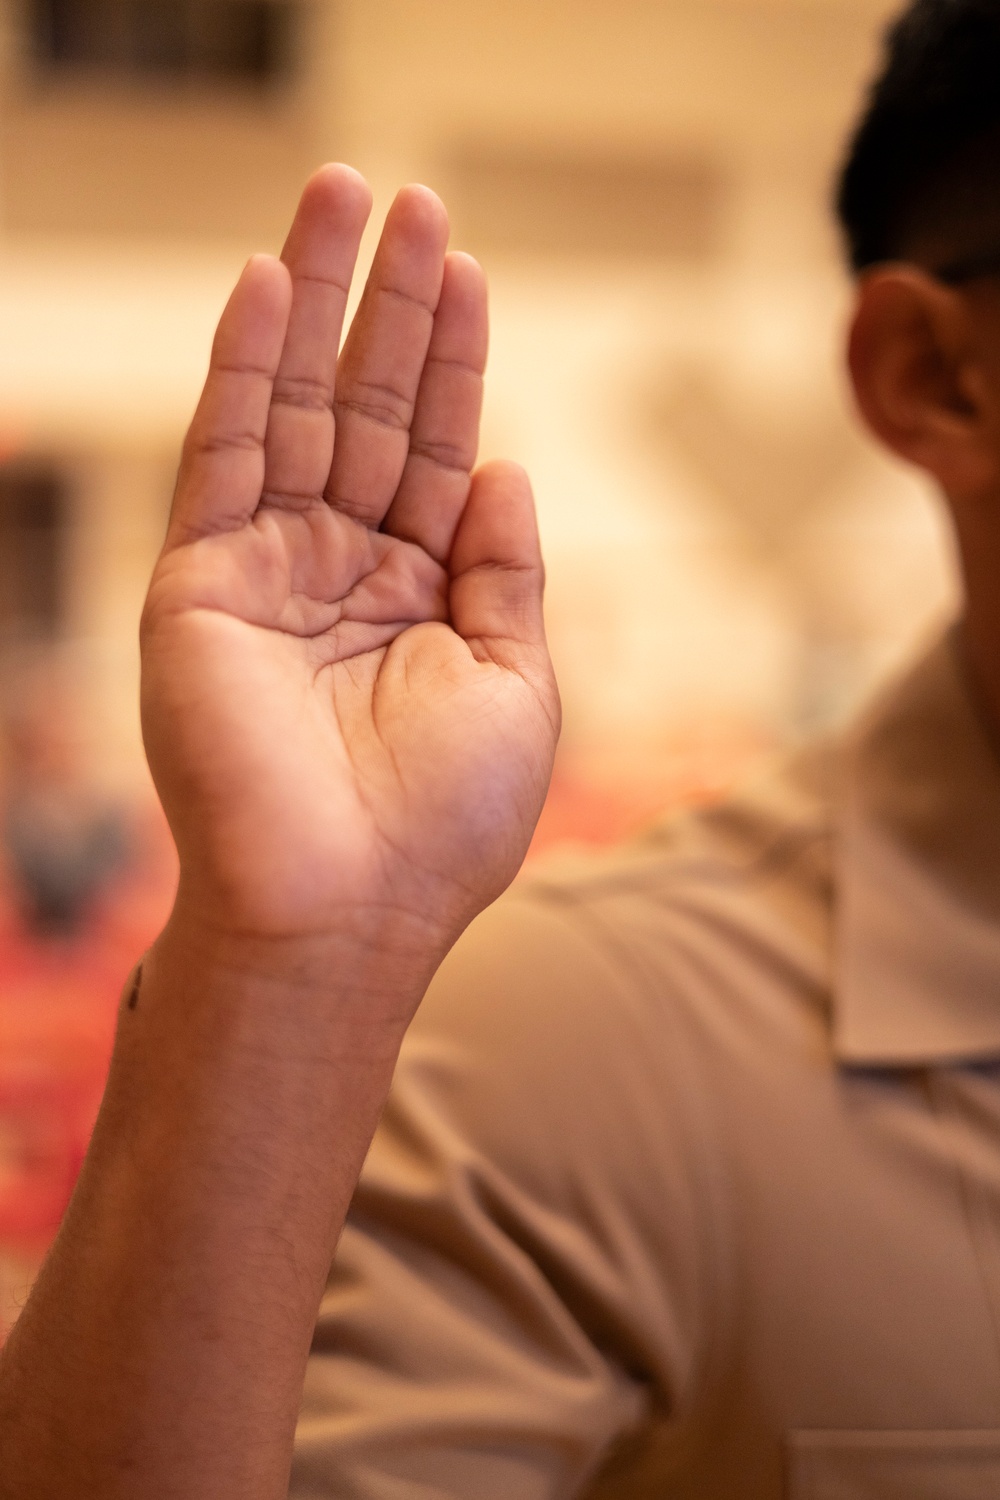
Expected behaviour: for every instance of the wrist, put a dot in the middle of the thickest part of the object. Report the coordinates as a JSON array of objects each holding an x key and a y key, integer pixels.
[{"x": 348, "y": 980}]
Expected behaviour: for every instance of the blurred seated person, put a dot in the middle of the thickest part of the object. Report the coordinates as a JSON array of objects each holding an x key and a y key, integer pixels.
[
  {"x": 688, "y": 1182},
  {"x": 64, "y": 842}
]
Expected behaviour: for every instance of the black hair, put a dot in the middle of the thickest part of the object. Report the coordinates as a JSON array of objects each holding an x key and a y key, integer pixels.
[{"x": 922, "y": 175}]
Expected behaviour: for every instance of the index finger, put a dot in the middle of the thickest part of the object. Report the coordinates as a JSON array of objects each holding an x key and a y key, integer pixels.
[{"x": 222, "y": 463}]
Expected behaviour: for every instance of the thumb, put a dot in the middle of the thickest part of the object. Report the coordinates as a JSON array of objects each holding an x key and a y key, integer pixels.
[{"x": 497, "y": 574}]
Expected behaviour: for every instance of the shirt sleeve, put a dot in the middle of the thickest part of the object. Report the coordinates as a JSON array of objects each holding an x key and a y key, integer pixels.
[{"x": 518, "y": 1297}]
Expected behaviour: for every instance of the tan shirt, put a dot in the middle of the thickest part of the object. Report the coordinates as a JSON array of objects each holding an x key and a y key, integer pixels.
[{"x": 689, "y": 1184}]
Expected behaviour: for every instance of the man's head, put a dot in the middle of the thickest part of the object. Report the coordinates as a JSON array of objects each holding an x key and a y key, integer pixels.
[{"x": 919, "y": 201}]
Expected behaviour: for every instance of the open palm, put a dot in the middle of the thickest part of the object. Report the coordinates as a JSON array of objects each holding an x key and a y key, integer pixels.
[{"x": 347, "y": 701}]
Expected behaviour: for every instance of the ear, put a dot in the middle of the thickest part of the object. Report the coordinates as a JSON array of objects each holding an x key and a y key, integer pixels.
[{"x": 916, "y": 363}]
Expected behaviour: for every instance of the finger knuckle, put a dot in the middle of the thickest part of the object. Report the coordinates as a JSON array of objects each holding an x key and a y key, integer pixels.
[
  {"x": 444, "y": 455},
  {"x": 385, "y": 405},
  {"x": 303, "y": 392}
]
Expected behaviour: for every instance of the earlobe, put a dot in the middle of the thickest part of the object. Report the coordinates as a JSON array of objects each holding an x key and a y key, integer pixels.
[{"x": 915, "y": 375}]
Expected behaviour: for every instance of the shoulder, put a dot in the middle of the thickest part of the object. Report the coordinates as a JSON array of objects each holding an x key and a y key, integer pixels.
[
  {"x": 593, "y": 989},
  {"x": 596, "y": 936},
  {"x": 759, "y": 860}
]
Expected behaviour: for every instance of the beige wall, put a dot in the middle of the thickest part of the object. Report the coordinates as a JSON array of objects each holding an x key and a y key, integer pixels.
[{"x": 727, "y": 557}]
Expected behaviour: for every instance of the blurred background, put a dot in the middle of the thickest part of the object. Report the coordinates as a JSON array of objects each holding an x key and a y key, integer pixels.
[{"x": 732, "y": 565}]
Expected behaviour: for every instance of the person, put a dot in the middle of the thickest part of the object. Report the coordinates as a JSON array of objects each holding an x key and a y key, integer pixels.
[{"x": 688, "y": 1182}]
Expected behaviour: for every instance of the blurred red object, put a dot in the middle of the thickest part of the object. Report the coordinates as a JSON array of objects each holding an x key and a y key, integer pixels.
[
  {"x": 55, "y": 1042},
  {"x": 58, "y": 1007}
]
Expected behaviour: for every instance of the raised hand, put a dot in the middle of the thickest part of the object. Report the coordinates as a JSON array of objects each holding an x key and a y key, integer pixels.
[{"x": 348, "y": 705}]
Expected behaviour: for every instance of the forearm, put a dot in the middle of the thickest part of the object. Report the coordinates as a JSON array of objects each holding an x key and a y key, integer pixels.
[{"x": 162, "y": 1351}]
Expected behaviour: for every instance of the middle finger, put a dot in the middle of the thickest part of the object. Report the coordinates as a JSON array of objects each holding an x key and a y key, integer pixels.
[
  {"x": 320, "y": 252},
  {"x": 379, "y": 371}
]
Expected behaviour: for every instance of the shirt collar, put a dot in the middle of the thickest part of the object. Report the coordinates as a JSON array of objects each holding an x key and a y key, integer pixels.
[{"x": 917, "y": 945}]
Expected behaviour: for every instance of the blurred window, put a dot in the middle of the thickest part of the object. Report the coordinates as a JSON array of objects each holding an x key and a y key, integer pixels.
[
  {"x": 535, "y": 201},
  {"x": 249, "y": 41},
  {"x": 33, "y": 515}
]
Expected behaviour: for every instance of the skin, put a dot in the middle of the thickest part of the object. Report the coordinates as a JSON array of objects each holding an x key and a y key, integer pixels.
[{"x": 350, "y": 717}]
